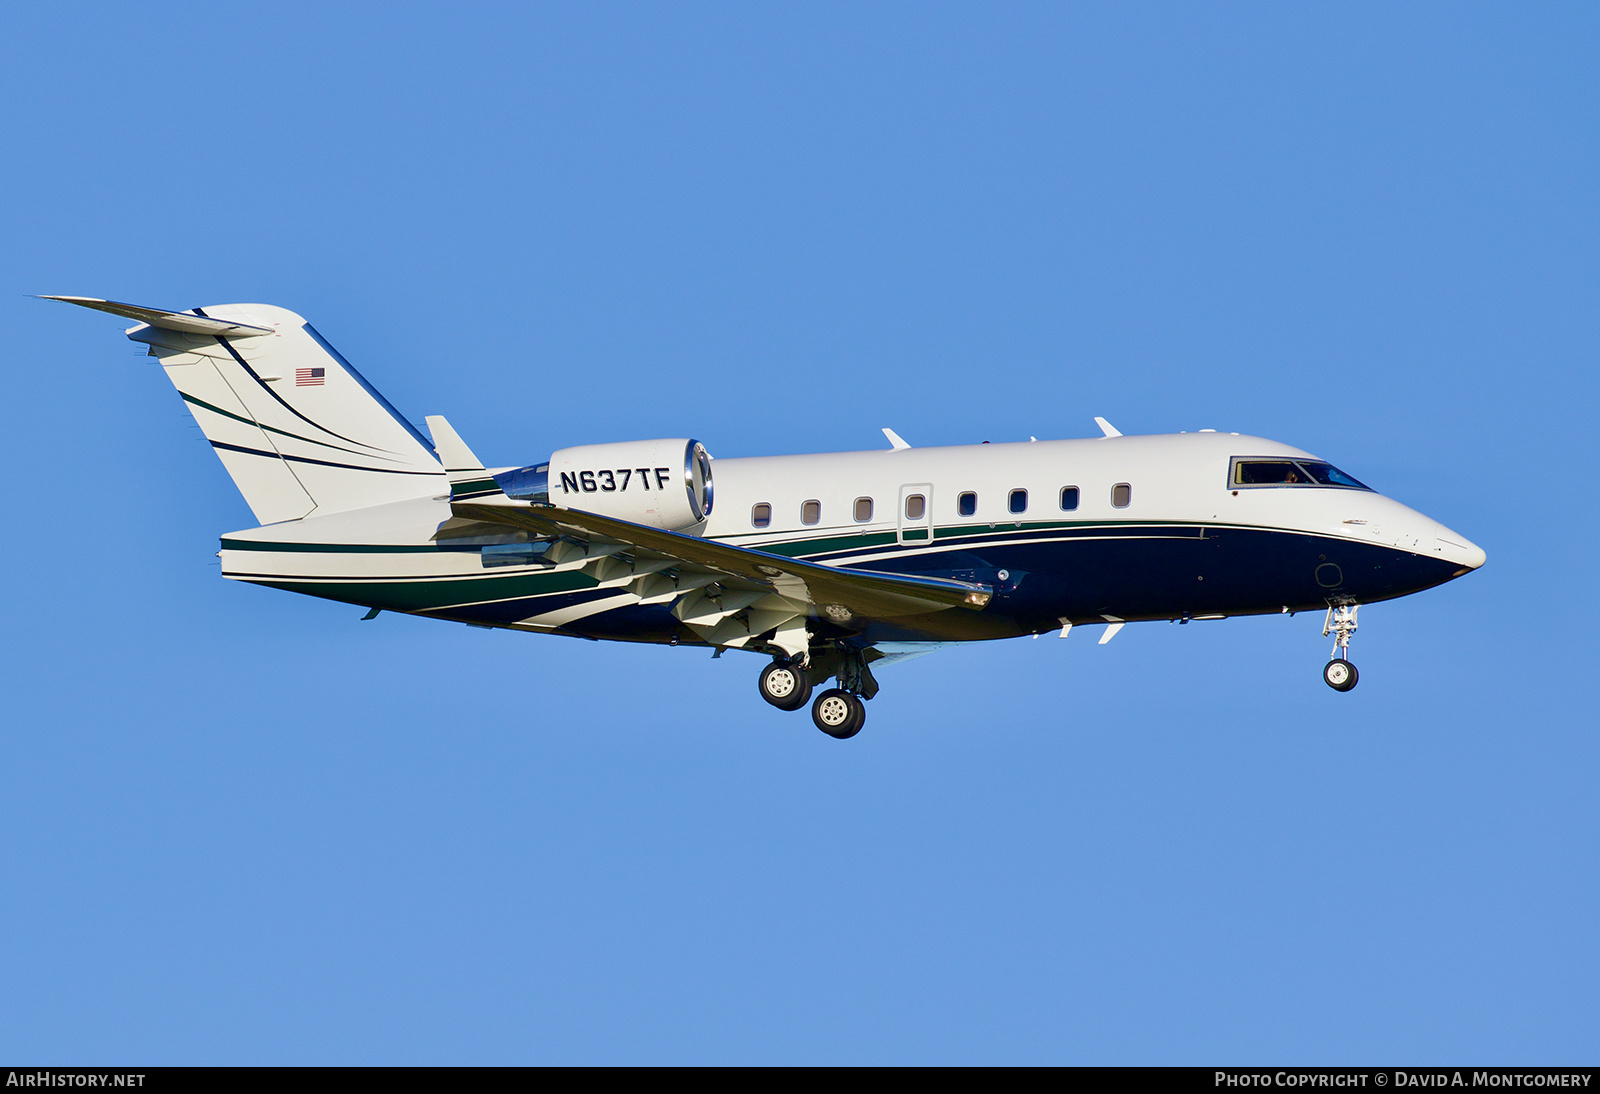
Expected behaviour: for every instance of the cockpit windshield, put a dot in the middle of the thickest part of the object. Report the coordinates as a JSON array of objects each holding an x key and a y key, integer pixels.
[{"x": 1281, "y": 472}]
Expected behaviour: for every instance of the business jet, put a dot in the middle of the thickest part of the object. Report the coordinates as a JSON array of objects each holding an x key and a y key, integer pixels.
[{"x": 831, "y": 565}]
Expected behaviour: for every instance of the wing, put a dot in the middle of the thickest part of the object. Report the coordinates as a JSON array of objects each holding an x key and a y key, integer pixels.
[{"x": 728, "y": 595}]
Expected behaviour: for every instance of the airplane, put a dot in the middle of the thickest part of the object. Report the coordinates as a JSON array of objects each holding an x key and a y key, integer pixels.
[{"x": 830, "y": 565}]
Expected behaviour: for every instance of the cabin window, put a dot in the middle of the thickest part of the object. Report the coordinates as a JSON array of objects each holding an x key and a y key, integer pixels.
[
  {"x": 1069, "y": 498},
  {"x": 1121, "y": 495},
  {"x": 1019, "y": 501},
  {"x": 810, "y": 512},
  {"x": 761, "y": 515},
  {"x": 863, "y": 510},
  {"x": 1281, "y": 472},
  {"x": 916, "y": 507},
  {"x": 967, "y": 504}
]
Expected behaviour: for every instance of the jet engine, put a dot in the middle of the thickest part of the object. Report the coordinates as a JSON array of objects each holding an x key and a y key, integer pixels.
[{"x": 663, "y": 484}]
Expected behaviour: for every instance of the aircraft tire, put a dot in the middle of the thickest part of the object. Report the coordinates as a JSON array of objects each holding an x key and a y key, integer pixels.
[
  {"x": 838, "y": 713},
  {"x": 1339, "y": 674},
  {"x": 785, "y": 686}
]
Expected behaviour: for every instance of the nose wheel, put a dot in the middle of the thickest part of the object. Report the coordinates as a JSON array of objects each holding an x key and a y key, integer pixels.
[{"x": 1339, "y": 674}]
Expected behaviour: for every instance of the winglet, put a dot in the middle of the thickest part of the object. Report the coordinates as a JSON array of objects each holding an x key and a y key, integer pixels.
[
  {"x": 468, "y": 478},
  {"x": 187, "y": 322},
  {"x": 894, "y": 439},
  {"x": 1106, "y": 427}
]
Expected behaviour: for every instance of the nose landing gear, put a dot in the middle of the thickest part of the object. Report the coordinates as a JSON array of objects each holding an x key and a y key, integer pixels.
[{"x": 1339, "y": 674}]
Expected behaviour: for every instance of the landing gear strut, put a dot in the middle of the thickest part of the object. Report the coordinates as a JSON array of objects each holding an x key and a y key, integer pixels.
[
  {"x": 785, "y": 685},
  {"x": 1339, "y": 673}
]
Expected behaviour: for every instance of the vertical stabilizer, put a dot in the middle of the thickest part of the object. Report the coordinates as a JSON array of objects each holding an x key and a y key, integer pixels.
[{"x": 296, "y": 426}]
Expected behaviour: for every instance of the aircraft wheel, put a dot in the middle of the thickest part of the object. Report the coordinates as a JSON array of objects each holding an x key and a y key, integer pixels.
[
  {"x": 838, "y": 713},
  {"x": 785, "y": 686},
  {"x": 1340, "y": 674}
]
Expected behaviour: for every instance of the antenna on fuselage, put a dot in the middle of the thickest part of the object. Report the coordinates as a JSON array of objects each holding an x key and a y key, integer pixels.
[
  {"x": 895, "y": 439},
  {"x": 1107, "y": 428}
]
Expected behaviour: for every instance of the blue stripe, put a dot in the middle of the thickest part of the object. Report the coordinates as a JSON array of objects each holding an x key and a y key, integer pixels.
[
  {"x": 319, "y": 463},
  {"x": 427, "y": 445},
  {"x": 227, "y": 345}
]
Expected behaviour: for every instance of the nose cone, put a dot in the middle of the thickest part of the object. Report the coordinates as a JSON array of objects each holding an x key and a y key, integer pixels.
[{"x": 1456, "y": 548}]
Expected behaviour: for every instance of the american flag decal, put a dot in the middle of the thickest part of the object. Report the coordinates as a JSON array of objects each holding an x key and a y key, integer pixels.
[{"x": 309, "y": 377}]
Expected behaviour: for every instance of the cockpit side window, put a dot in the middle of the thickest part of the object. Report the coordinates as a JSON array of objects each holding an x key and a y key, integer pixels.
[
  {"x": 1329, "y": 475},
  {"x": 1267, "y": 473},
  {"x": 1251, "y": 471}
]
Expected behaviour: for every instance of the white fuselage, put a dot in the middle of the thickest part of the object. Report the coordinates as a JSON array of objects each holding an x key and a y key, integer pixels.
[
  {"x": 1180, "y": 477},
  {"x": 1158, "y": 531}
]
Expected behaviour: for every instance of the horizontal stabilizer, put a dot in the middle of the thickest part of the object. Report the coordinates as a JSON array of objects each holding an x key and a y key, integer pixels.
[{"x": 187, "y": 322}]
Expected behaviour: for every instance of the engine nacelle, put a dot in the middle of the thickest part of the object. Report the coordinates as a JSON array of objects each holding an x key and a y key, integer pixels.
[{"x": 664, "y": 484}]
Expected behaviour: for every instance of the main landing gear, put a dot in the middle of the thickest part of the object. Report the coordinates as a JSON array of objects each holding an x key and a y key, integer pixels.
[
  {"x": 1339, "y": 673},
  {"x": 839, "y": 712},
  {"x": 785, "y": 686}
]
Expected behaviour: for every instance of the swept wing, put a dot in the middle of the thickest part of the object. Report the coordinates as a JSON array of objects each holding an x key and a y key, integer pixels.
[{"x": 729, "y": 595}]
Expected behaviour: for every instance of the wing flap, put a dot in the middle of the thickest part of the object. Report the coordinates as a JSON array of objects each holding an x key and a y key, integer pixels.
[{"x": 839, "y": 594}]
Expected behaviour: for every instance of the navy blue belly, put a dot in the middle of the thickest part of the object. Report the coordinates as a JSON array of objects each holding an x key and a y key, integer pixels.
[
  {"x": 1163, "y": 572},
  {"x": 1130, "y": 572}
]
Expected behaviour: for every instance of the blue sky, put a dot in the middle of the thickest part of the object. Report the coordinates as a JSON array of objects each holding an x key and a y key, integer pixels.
[{"x": 242, "y": 827}]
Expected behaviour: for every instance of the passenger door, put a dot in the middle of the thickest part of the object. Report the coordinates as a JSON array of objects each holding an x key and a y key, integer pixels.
[{"x": 915, "y": 511}]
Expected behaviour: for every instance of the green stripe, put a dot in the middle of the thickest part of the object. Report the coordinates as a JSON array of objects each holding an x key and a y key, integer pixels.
[
  {"x": 999, "y": 529},
  {"x": 330, "y": 548},
  {"x": 849, "y": 542},
  {"x": 967, "y": 531},
  {"x": 434, "y": 592},
  {"x": 477, "y": 488},
  {"x": 414, "y": 596},
  {"x": 792, "y": 548}
]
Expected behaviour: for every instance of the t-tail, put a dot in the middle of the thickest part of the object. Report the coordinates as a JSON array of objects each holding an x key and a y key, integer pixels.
[{"x": 298, "y": 429}]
